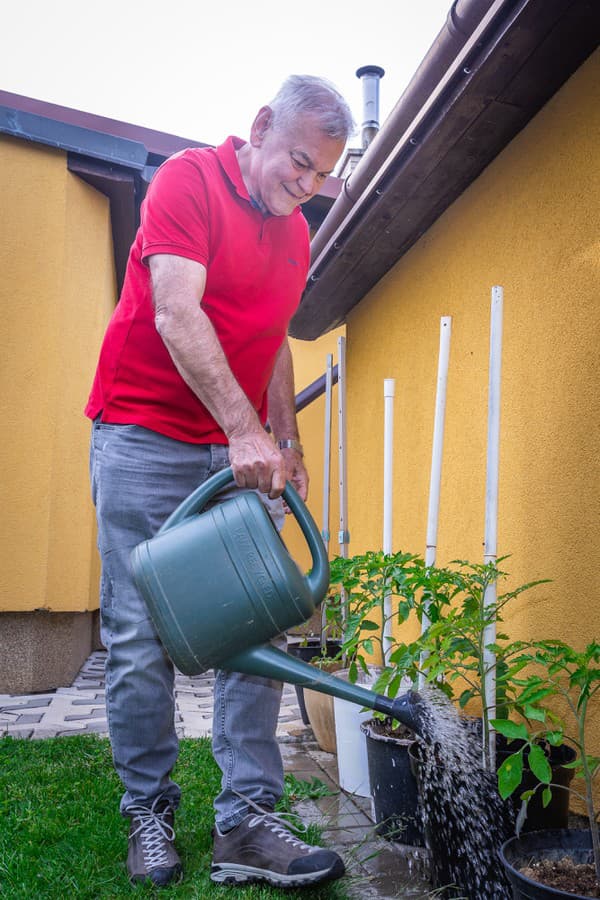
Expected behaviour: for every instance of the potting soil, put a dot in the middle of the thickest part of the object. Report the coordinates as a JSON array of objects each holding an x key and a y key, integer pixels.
[{"x": 564, "y": 875}]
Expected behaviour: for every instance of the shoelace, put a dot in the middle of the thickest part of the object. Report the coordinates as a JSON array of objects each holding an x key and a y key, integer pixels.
[
  {"x": 154, "y": 832},
  {"x": 277, "y": 823}
]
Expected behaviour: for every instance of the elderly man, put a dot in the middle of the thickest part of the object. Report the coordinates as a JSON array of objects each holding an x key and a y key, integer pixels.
[{"x": 194, "y": 359}]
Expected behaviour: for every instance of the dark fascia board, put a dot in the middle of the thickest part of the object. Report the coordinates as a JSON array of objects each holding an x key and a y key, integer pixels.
[
  {"x": 159, "y": 144},
  {"x": 122, "y": 187},
  {"x": 64, "y": 136},
  {"x": 481, "y": 111}
]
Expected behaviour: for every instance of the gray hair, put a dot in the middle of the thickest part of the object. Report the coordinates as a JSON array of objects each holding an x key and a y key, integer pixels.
[{"x": 309, "y": 94}]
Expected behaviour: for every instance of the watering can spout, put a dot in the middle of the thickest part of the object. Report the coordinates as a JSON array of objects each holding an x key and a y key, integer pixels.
[
  {"x": 269, "y": 662},
  {"x": 410, "y": 710}
]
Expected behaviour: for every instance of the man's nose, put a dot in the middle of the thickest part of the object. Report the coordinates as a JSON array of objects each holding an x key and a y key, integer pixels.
[{"x": 306, "y": 181}]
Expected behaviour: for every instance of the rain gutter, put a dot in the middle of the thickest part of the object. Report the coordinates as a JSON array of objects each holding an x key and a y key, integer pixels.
[
  {"x": 470, "y": 96},
  {"x": 425, "y": 86}
]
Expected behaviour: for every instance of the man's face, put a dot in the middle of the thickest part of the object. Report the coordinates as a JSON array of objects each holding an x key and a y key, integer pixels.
[{"x": 292, "y": 162}]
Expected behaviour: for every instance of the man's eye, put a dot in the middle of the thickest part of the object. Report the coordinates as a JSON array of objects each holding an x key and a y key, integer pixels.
[
  {"x": 321, "y": 176},
  {"x": 299, "y": 164}
]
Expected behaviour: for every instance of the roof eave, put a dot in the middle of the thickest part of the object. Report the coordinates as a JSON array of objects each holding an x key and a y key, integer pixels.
[{"x": 501, "y": 78}]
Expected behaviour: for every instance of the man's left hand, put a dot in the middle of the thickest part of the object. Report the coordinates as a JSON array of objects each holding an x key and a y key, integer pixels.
[{"x": 296, "y": 473}]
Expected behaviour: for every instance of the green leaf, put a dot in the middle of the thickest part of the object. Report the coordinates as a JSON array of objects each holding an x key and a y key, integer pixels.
[
  {"x": 539, "y": 765},
  {"x": 509, "y": 729},
  {"x": 465, "y": 697},
  {"x": 534, "y": 712},
  {"x": 546, "y": 797},
  {"x": 510, "y": 775},
  {"x": 533, "y": 694}
]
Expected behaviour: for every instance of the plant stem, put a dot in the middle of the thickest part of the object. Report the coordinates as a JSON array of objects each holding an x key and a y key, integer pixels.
[{"x": 589, "y": 797}]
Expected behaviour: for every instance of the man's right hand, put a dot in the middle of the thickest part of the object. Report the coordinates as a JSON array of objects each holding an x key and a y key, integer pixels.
[{"x": 257, "y": 463}]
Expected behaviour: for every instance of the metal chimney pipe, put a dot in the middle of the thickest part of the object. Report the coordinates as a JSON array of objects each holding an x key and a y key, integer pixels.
[{"x": 370, "y": 77}]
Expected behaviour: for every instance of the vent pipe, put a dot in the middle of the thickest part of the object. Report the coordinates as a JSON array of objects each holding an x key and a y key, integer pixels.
[{"x": 370, "y": 77}]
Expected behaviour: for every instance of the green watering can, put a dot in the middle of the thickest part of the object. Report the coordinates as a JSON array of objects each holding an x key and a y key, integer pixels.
[{"x": 220, "y": 584}]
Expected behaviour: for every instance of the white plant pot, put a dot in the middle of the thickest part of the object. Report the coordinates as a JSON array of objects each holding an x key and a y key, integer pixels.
[{"x": 353, "y": 767}]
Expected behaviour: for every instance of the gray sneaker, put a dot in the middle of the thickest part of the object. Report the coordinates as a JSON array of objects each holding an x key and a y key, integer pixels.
[
  {"x": 152, "y": 855},
  {"x": 261, "y": 848}
]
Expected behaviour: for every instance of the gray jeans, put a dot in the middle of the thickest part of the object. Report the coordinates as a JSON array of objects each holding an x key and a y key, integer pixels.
[{"x": 138, "y": 478}]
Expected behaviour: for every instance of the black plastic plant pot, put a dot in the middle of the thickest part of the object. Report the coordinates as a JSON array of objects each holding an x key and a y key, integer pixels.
[
  {"x": 393, "y": 786},
  {"x": 522, "y": 851},
  {"x": 307, "y": 649},
  {"x": 556, "y": 814}
]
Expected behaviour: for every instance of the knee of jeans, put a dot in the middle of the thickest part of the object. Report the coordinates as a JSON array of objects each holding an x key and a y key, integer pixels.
[{"x": 126, "y": 631}]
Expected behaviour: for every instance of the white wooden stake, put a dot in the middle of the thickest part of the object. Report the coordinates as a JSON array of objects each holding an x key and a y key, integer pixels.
[
  {"x": 343, "y": 533},
  {"x": 389, "y": 390},
  {"x": 326, "y": 482},
  {"x": 327, "y": 450},
  {"x": 491, "y": 496},
  {"x": 438, "y": 440},
  {"x": 437, "y": 453}
]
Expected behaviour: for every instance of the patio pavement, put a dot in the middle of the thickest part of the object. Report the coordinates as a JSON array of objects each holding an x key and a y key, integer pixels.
[{"x": 377, "y": 869}]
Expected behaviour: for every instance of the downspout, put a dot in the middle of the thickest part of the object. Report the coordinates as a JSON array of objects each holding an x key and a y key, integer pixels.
[{"x": 463, "y": 19}]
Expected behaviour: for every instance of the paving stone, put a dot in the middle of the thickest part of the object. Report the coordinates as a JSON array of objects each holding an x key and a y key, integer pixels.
[
  {"x": 345, "y": 816},
  {"x": 96, "y": 727},
  {"x": 24, "y": 733},
  {"x": 97, "y": 698},
  {"x": 395, "y": 874},
  {"x": 189, "y": 732},
  {"x": 94, "y": 714},
  {"x": 347, "y": 836},
  {"x": 29, "y": 719},
  {"x": 328, "y": 762},
  {"x": 25, "y": 702}
]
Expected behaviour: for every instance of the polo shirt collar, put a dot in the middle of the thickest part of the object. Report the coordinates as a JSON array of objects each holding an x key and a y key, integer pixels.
[
  {"x": 229, "y": 162},
  {"x": 230, "y": 165}
]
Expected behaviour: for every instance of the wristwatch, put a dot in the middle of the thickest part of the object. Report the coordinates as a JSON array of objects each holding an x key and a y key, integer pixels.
[{"x": 291, "y": 445}]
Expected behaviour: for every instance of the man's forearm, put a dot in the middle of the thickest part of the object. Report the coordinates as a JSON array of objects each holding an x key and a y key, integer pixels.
[
  {"x": 282, "y": 418},
  {"x": 198, "y": 356},
  {"x": 281, "y": 396},
  {"x": 178, "y": 287}
]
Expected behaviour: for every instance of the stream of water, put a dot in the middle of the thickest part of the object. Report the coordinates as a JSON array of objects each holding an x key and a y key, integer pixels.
[{"x": 464, "y": 819}]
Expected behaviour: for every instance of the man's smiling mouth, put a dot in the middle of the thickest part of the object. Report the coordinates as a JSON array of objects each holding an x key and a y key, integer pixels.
[{"x": 287, "y": 190}]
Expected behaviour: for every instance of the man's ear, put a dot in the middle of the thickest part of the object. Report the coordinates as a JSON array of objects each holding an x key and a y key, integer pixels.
[{"x": 260, "y": 126}]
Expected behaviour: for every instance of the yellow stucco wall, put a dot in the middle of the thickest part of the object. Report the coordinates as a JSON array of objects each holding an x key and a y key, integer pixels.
[
  {"x": 57, "y": 290},
  {"x": 530, "y": 224}
]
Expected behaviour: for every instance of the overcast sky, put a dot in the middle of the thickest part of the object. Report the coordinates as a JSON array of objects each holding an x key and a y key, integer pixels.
[{"x": 202, "y": 69}]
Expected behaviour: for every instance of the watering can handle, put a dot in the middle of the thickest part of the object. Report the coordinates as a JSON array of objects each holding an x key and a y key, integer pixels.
[{"x": 317, "y": 578}]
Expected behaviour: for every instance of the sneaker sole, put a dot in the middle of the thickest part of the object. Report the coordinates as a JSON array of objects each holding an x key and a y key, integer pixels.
[{"x": 229, "y": 873}]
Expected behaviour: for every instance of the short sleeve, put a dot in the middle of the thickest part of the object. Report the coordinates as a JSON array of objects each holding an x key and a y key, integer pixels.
[{"x": 175, "y": 213}]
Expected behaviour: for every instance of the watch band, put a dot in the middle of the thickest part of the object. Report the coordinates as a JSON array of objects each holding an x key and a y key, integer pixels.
[{"x": 291, "y": 445}]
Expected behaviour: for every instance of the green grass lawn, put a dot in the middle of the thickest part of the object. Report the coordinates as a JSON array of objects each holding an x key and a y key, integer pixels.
[{"x": 61, "y": 833}]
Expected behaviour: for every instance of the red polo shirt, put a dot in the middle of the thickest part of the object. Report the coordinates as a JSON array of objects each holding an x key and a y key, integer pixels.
[{"x": 197, "y": 206}]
